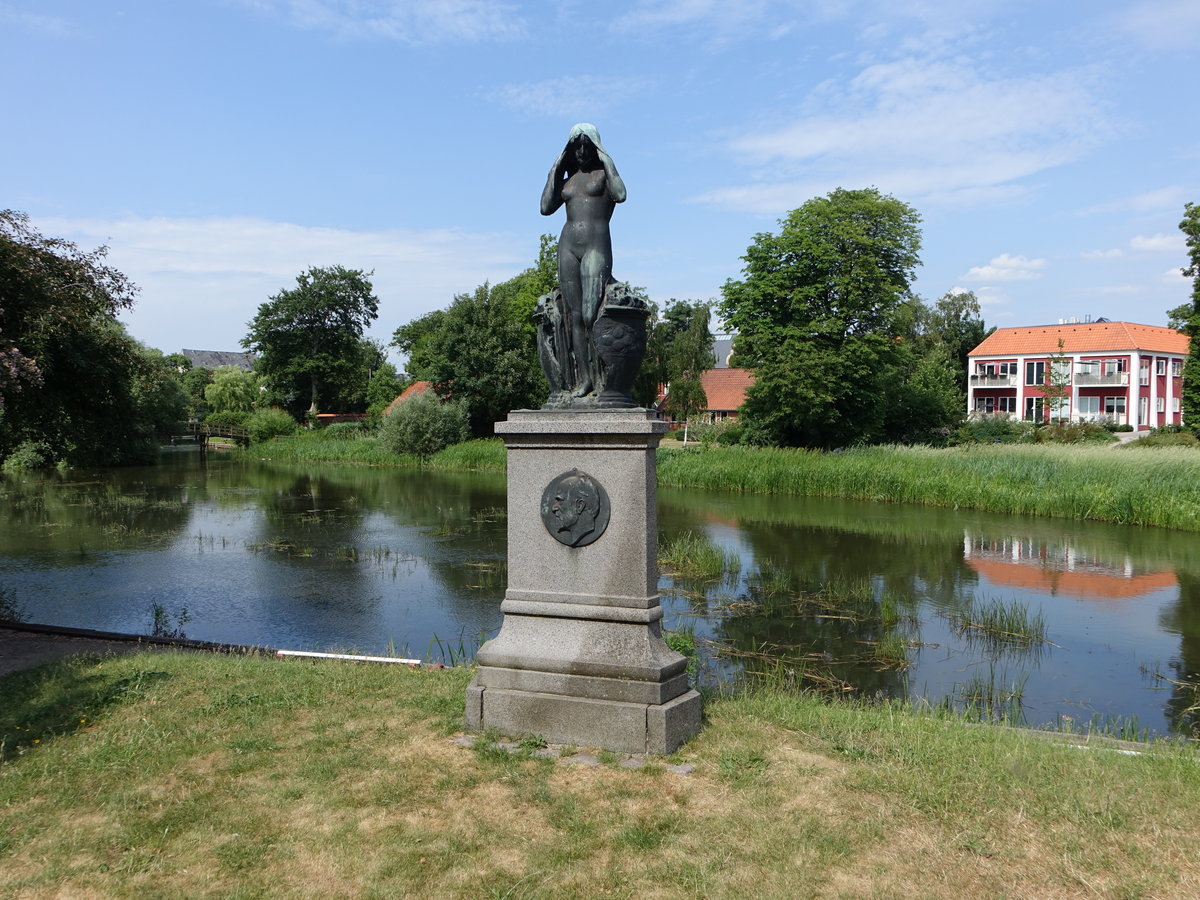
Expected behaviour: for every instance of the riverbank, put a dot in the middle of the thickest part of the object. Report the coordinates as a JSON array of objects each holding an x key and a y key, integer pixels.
[
  {"x": 192, "y": 775},
  {"x": 1157, "y": 486}
]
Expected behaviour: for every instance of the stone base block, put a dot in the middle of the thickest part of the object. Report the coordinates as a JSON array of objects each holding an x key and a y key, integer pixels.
[{"x": 615, "y": 725}]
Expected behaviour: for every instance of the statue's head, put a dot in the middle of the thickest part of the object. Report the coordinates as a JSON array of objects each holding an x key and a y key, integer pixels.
[{"x": 584, "y": 142}]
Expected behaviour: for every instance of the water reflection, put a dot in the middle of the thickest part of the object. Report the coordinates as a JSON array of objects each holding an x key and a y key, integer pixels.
[{"x": 882, "y": 600}]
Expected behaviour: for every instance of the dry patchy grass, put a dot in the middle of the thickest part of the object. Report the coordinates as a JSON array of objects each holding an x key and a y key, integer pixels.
[{"x": 195, "y": 776}]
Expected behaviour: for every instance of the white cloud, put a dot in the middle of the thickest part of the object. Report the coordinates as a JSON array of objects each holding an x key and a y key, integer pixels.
[
  {"x": 723, "y": 19},
  {"x": 1114, "y": 253},
  {"x": 1162, "y": 24},
  {"x": 1158, "y": 243},
  {"x": 408, "y": 21},
  {"x": 1119, "y": 289},
  {"x": 1172, "y": 197},
  {"x": 1174, "y": 276},
  {"x": 203, "y": 279},
  {"x": 1007, "y": 268},
  {"x": 39, "y": 23},
  {"x": 579, "y": 96},
  {"x": 922, "y": 131}
]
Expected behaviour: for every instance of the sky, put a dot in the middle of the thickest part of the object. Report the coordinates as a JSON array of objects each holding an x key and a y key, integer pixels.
[{"x": 219, "y": 148}]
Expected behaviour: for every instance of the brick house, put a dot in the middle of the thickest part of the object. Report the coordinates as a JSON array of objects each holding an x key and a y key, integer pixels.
[
  {"x": 724, "y": 387},
  {"x": 1118, "y": 372}
]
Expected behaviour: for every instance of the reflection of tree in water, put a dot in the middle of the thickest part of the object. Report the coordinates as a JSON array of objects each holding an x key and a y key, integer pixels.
[
  {"x": 453, "y": 523},
  {"x": 1183, "y": 706},
  {"x": 81, "y": 512}
]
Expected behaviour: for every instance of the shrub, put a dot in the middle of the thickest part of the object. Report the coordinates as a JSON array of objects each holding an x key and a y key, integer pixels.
[
  {"x": 423, "y": 425},
  {"x": 265, "y": 424},
  {"x": 996, "y": 429},
  {"x": 1074, "y": 433},
  {"x": 1162, "y": 437},
  {"x": 29, "y": 455}
]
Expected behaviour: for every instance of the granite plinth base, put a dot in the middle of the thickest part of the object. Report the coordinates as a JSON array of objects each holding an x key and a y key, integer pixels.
[
  {"x": 580, "y": 657},
  {"x": 615, "y": 725}
]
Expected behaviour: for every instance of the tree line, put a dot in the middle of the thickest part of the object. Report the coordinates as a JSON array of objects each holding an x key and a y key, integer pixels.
[{"x": 824, "y": 316}]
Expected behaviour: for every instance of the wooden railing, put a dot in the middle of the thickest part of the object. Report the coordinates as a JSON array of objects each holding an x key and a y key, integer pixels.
[{"x": 203, "y": 431}]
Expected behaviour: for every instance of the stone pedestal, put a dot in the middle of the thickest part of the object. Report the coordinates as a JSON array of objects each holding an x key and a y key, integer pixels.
[{"x": 580, "y": 657}]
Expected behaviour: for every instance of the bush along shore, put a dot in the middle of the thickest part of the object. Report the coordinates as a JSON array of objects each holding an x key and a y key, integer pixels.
[
  {"x": 1152, "y": 486},
  {"x": 198, "y": 775}
]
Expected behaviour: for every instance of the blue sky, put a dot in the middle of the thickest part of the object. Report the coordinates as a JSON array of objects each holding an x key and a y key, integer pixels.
[{"x": 220, "y": 147}]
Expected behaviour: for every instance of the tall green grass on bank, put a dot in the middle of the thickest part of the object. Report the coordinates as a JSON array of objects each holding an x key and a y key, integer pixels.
[
  {"x": 195, "y": 775},
  {"x": 1154, "y": 487},
  {"x": 317, "y": 446}
]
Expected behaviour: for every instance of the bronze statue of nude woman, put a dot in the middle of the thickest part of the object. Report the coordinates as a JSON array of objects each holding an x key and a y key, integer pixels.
[{"x": 585, "y": 180}]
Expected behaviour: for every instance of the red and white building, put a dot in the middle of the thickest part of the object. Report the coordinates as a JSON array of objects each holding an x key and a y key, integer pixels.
[{"x": 1118, "y": 372}]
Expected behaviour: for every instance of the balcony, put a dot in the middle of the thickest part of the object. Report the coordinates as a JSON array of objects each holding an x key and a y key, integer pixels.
[
  {"x": 989, "y": 381},
  {"x": 1098, "y": 379}
]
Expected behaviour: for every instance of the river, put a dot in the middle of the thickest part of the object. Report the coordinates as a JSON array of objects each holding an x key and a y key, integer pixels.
[{"x": 399, "y": 561}]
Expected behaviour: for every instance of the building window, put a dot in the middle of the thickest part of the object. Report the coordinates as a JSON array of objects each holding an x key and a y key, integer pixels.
[
  {"x": 1089, "y": 408},
  {"x": 1088, "y": 367},
  {"x": 1144, "y": 372},
  {"x": 1114, "y": 408},
  {"x": 1035, "y": 373},
  {"x": 1007, "y": 404},
  {"x": 985, "y": 404},
  {"x": 1174, "y": 404},
  {"x": 1143, "y": 410},
  {"x": 1177, "y": 367},
  {"x": 1034, "y": 407},
  {"x": 1162, "y": 405},
  {"x": 1160, "y": 367}
]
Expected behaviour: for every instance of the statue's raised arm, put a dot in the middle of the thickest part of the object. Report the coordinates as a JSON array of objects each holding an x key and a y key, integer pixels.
[{"x": 585, "y": 180}]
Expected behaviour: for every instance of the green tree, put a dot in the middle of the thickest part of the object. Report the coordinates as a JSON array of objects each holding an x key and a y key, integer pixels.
[
  {"x": 477, "y": 354},
  {"x": 47, "y": 286},
  {"x": 955, "y": 322},
  {"x": 926, "y": 402},
  {"x": 661, "y": 333},
  {"x": 72, "y": 380},
  {"x": 194, "y": 382},
  {"x": 309, "y": 338},
  {"x": 232, "y": 390},
  {"x": 689, "y": 356},
  {"x": 817, "y": 314},
  {"x": 1190, "y": 392},
  {"x": 382, "y": 389},
  {"x": 1057, "y": 386}
]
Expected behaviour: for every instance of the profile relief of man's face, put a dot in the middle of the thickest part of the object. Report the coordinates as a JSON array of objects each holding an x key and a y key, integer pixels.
[{"x": 576, "y": 504}]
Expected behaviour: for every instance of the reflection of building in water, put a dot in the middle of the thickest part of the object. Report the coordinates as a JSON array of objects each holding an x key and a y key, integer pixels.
[{"x": 1060, "y": 568}]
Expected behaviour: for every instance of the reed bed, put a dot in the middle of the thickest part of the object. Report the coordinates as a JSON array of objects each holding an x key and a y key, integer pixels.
[
  {"x": 486, "y": 454},
  {"x": 692, "y": 555},
  {"x": 1157, "y": 487},
  {"x": 1001, "y": 624}
]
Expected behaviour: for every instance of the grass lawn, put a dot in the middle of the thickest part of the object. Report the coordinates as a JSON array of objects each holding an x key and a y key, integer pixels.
[{"x": 192, "y": 775}]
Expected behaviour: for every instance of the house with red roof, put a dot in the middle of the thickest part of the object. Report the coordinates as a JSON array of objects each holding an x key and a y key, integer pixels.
[
  {"x": 724, "y": 387},
  {"x": 1118, "y": 372}
]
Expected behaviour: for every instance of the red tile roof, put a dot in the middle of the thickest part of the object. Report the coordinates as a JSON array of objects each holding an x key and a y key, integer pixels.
[
  {"x": 1083, "y": 337},
  {"x": 725, "y": 388},
  {"x": 417, "y": 387}
]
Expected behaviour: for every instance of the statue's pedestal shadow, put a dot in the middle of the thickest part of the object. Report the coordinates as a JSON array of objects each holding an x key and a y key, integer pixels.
[{"x": 580, "y": 657}]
